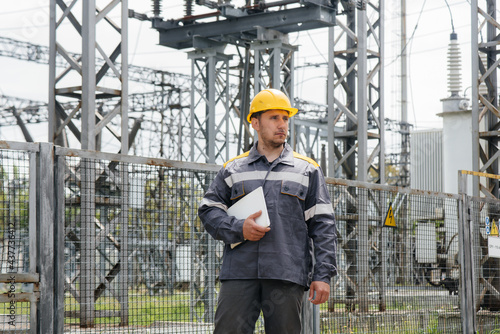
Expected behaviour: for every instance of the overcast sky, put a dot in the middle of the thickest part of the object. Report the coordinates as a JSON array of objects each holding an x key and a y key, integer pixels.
[{"x": 429, "y": 24}]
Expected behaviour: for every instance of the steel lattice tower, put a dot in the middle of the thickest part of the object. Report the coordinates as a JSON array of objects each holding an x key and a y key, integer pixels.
[
  {"x": 81, "y": 79},
  {"x": 485, "y": 125}
]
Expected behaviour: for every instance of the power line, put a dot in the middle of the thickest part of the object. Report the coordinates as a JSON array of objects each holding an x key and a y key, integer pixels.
[
  {"x": 411, "y": 37},
  {"x": 451, "y": 16}
]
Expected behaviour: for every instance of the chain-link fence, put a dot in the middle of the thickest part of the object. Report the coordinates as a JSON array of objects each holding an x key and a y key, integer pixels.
[
  {"x": 485, "y": 213},
  {"x": 136, "y": 256},
  {"x": 129, "y": 254},
  {"x": 394, "y": 279}
]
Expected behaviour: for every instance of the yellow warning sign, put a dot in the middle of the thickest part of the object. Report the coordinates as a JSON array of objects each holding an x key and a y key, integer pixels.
[
  {"x": 494, "y": 229},
  {"x": 389, "y": 218}
]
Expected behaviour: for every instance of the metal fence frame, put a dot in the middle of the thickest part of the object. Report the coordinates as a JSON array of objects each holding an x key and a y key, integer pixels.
[{"x": 47, "y": 237}]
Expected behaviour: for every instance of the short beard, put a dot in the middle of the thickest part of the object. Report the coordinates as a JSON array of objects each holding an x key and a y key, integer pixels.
[{"x": 278, "y": 144}]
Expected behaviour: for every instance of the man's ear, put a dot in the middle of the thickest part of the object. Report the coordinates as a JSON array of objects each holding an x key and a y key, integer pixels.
[{"x": 255, "y": 123}]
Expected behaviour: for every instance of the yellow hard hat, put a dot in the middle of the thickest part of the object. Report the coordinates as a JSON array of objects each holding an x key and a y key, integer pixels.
[{"x": 269, "y": 99}]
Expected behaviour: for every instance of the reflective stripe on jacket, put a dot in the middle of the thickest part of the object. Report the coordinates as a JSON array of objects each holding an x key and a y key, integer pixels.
[{"x": 300, "y": 212}]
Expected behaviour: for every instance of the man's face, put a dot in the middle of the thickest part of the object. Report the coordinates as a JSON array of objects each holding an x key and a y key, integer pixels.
[{"x": 272, "y": 127}]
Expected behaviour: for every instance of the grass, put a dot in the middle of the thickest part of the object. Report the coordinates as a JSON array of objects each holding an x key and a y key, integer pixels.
[
  {"x": 365, "y": 325},
  {"x": 21, "y": 308},
  {"x": 143, "y": 309}
]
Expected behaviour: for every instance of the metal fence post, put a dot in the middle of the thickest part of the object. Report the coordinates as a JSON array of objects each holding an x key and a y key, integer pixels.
[
  {"x": 123, "y": 283},
  {"x": 383, "y": 256},
  {"x": 466, "y": 258},
  {"x": 310, "y": 318},
  {"x": 45, "y": 236},
  {"x": 59, "y": 232},
  {"x": 363, "y": 251},
  {"x": 88, "y": 235},
  {"x": 33, "y": 232},
  {"x": 210, "y": 288}
]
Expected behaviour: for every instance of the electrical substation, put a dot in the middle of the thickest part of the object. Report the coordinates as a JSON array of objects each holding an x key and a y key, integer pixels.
[{"x": 98, "y": 226}]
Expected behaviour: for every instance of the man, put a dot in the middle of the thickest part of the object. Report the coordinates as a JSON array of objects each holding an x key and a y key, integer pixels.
[{"x": 273, "y": 266}]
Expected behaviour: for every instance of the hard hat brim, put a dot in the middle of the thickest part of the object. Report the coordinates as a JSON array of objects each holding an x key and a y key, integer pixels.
[{"x": 291, "y": 112}]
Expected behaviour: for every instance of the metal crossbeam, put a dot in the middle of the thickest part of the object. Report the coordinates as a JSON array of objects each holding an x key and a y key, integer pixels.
[{"x": 244, "y": 27}]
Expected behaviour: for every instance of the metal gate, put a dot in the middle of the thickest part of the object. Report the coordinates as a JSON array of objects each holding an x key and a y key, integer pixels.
[{"x": 27, "y": 244}]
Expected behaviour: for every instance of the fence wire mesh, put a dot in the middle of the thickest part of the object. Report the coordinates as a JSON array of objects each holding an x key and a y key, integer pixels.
[
  {"x": 168, "y": 283},
  {"x": 394, "y": 279},
  {"x": 137, "y": 260},
  {"x": 484, "y": 215},
  {"x": 400, "y": 279}
]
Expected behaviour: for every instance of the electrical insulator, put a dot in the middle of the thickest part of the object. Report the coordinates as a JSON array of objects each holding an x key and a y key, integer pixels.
[
  {"x": 188, "y": 7},
  {"x": 454, "y": 66},
  {"x": 156, "y": 8}
]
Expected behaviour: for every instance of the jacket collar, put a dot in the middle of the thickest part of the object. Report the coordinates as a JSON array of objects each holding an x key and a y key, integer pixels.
[{"x": 286, "y": 156}]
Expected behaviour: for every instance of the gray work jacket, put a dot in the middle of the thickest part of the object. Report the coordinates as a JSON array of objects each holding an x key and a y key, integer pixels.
[{"x": 300, "y": 212}]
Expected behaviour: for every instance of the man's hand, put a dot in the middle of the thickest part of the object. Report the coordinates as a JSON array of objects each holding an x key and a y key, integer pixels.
[
  {"x": 322, "y": 290},
  {"x": 253, "y": 231}
]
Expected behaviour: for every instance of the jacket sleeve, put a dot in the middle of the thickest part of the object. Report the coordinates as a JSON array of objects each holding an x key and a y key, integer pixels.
[
  {"x": 213, "y": 212},
  {"x": 321, "y": 228}
]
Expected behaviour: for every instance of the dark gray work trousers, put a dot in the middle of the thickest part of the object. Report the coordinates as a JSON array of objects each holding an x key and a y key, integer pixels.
[{"x": 241, "y": 301}]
